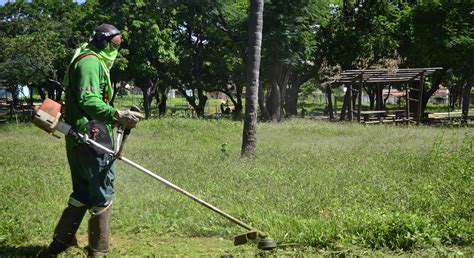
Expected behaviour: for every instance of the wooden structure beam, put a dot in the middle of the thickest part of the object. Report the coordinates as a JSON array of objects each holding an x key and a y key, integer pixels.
[{"x": 377, "y": 77}]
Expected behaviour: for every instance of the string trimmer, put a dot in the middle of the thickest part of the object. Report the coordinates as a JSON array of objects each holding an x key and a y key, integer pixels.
[{"x": 47, "y": 117}]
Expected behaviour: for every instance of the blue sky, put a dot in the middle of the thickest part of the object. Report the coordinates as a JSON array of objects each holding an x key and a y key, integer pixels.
[{"x": 2, "y": 2}]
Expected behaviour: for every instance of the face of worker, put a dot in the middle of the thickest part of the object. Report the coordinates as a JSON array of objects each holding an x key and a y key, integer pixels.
[
  {"x": 110, "y": 52},
  {"x": 116, "y": 41}
]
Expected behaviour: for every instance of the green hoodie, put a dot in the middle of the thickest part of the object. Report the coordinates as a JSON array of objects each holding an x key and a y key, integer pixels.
[{"x": 88, "y": 90}]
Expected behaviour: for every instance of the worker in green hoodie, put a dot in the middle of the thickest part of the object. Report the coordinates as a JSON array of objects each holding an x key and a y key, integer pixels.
[{"x": 88, "y": 111}]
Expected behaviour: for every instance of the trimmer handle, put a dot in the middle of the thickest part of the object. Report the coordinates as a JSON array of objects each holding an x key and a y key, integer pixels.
[
  {"x": 126, "y": 132},
  {"x": 132, "y": 108}
]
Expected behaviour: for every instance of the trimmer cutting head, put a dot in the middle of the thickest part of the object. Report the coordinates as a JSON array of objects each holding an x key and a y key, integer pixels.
[{"x": 264, "y": 243}]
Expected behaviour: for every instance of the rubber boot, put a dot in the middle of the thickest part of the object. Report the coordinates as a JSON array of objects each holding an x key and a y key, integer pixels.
[
  {"x": 65, "y": 231},
  {"x": 99, "y": 232}
]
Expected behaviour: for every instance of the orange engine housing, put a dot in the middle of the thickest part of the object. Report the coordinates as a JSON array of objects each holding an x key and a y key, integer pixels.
[{"x": 47, "y": 115}]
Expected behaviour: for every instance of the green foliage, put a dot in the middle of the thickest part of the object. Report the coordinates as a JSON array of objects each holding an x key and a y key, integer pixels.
[
  {"x": 437, "y": 33},
  {"x": 29, "y": 58},
  {"x": 314, "y": 186},
  {"x": 360, "y": 34},
  {"x": 202, "y": 45},
  {"x": 289, "y": 29},
  {"x": 36, "y": 39}
]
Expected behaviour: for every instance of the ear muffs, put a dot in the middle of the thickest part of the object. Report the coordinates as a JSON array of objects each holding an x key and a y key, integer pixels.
[{"x": 101, "y": 38}]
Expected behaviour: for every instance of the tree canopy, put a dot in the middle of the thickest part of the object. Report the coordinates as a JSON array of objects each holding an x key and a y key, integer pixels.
[{"x": 201, "y": 46}]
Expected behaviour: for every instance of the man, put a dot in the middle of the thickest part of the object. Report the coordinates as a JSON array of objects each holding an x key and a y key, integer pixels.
[{"x": 87, "y": 110}]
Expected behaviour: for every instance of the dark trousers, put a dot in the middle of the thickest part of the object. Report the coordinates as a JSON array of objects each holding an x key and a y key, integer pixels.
[{"x": 93, "y": 177}]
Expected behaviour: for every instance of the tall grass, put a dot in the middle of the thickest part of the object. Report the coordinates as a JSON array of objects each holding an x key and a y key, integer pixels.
[{"x": 318, "y": 185}]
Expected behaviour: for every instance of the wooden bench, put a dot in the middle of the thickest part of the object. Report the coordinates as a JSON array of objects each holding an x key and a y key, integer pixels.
[
  {"x": 445, "y": 115},
  {"x": 368, "y": 114},
  {"x": 398, "y": 113}
]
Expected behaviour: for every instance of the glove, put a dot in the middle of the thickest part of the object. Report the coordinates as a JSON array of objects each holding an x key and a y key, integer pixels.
[{"x": 128, "y": 119}]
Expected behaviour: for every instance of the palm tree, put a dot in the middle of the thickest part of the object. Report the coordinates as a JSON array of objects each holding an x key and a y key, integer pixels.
[{"x": 249, "y": 138}]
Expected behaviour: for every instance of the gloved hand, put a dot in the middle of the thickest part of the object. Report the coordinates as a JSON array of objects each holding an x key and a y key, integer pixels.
[{"x": 128, "y": 119}]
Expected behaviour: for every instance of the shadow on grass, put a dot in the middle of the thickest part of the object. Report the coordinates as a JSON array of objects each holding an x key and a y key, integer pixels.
[{"x": 28, "y": 251}]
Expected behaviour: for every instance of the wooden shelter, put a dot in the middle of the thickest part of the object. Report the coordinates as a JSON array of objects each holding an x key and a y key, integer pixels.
[{"x": 411, "y": 79}]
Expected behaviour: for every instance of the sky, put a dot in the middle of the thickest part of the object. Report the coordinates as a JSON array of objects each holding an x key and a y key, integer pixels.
[{"x": 2, "y": 2}]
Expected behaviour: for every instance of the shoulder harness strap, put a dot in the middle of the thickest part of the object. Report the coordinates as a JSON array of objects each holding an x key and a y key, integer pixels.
[{"x": 79, "y": 59}]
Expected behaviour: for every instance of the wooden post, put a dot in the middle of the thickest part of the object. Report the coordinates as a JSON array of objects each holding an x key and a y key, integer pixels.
[
  {"x": 407, "y": 101},
  {"x": 359, "y": 98},
  {"x": 420, "y": 99},
  {"x": 342, "y": 116},
  {"x": 379, "y": 97},
  {"x": 330, "y": 108},
  {"x": 349, "y": 90}
]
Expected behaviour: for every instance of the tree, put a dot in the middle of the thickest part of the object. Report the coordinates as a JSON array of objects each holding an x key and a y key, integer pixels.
[
  {"x": 148, "y": 48},
  {"x": 34, "y": 44},
  {"x": 193, "y": 39},
  {"x": 289, "y": 45},
  {"x": 439, "y": 33},
  {"x": 360, "y": 35},
  {"x": 249, "y": 138},
  {"x": 208, "y": 59}
]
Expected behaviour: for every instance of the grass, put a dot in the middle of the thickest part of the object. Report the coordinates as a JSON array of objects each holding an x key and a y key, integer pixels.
[
  {"x": 212, "y": 105},
  {"x": 313, "y": 106},
  {"x": 315, "y": 187}
]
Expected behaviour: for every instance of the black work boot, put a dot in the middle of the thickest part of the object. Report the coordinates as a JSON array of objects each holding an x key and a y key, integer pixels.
[
  {"x": 99, "y": 232},
  {"x": 65, "y": 231}
]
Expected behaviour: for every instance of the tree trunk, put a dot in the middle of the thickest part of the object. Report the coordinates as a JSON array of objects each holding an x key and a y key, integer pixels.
[
  {"x": 466, "y": 96},
  {"x": 280, "y": 74},
  {"x": 197, "y": 107},
  {"x": 190, "y": 99},
  {"x": 249, "y": 135},
  {"x": 345, "y": 105},
  {"x": 148, "y": 89},
  {"x": 201, "y": 103},
  {"x": 114, "y": 95},
  {"x": 296, "y": 80},
  {"x": 427, "y": 94},
  {"x": 163, "y": 98},
  {"x": 274, "y": 102},
  {"x": 330, "y": 108},
  {"x": 291, "y": 100},
  {"x": 282, "y": 98},
  {"x": 455, "y": 94},
  {"x": 56, "y": 87},
  {"x": 51, "y": 92},
  {"x": 41, "y": 93},
  {"x": 15, "y": 100},
  {"x": 379, "y": 97},
  {"x": 14, "y": 92},
  {"x": 147, "y": 98},
  {"x": 371, "y": 94},
  {"x": 413, "y": 95},
  {"x": 261, "y": 103},
  {"x": 30, "y": 88},
  {"x": 238, "y": 105},
  {"x": 59, "y": 92}
]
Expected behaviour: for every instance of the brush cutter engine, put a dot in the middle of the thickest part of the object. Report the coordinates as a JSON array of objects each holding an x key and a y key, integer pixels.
[{"x": 47, "y": 117}]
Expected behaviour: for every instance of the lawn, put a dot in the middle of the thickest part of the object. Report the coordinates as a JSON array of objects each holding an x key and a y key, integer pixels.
[{"x": 315, "y": 187}]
